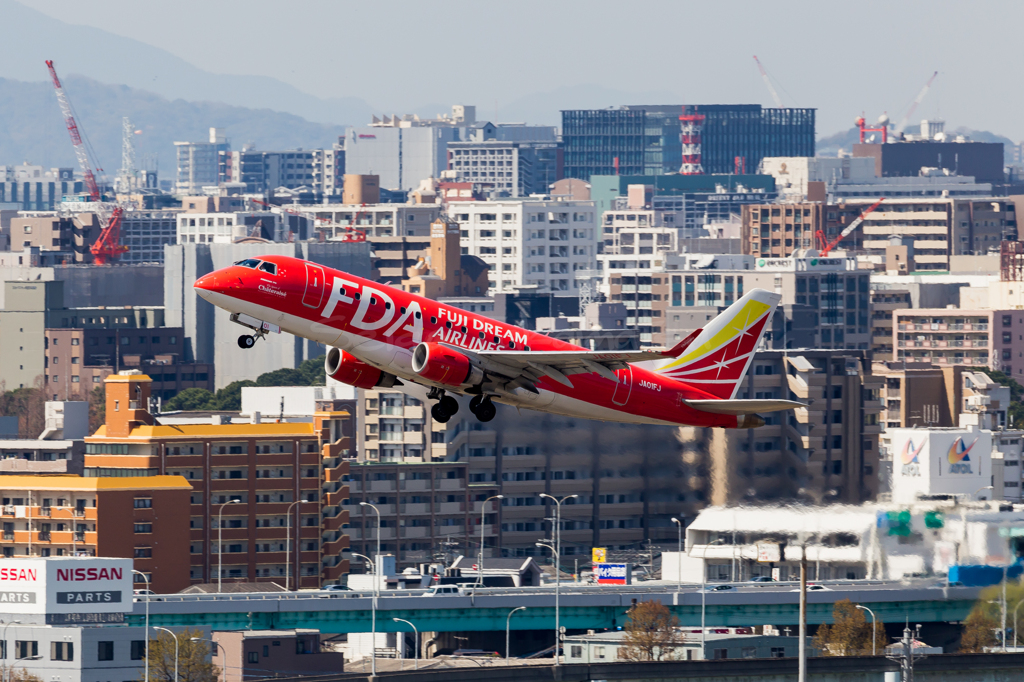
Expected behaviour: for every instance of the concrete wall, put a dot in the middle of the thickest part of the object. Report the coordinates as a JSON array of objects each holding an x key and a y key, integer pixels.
[{"x": 209, "y": 330}]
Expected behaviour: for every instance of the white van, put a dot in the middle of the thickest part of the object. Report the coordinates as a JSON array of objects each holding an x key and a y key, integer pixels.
[{"x": 445, "y": 591}]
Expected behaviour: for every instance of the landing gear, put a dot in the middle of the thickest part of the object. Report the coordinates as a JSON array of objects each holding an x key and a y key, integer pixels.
[
  {"x": 446, "y": 406},
  {"x": 483, "y": 408},
  {"x": 246, "y": 341}
]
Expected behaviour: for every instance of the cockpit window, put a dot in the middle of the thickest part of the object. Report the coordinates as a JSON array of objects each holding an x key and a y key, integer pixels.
[
  {"x": 249, "y": 263},
  {"x": 268, "y": 267}
]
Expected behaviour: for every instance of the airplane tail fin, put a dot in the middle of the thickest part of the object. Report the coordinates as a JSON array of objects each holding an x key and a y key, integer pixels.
[{"x": 717, "y": 360}]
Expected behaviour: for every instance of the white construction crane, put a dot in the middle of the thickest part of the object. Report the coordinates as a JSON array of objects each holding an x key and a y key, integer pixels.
[
  {"x": 768, "y": 82},
  {"x": 913, "y": 107}
]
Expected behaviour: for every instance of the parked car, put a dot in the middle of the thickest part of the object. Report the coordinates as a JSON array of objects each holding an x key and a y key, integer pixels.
[
  {"x": 762, "y": 579},
  {"x": 721, "y": 588},
  {"x": 336, "y": 588},
  {"x": 813, "y": 588}
]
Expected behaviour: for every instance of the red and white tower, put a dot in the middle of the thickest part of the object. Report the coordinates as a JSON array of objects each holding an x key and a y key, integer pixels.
[{"x": 691, "y": 125}]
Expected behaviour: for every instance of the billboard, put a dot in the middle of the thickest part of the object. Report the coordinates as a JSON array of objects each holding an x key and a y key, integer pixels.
[
  {"x": 939, "y": 461},
  {"x": 613, "y": 574},
  {"x": 598, "y": 555},
  {"x": 65, "y": 585}
]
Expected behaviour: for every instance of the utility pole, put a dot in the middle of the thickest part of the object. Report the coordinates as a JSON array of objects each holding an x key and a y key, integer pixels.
[{"x": 906, "y": 655}]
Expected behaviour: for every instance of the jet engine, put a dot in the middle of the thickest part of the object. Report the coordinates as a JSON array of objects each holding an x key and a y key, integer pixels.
[
  {"x": 348, "y": 369},
  {"x": 445, "y": 366}
]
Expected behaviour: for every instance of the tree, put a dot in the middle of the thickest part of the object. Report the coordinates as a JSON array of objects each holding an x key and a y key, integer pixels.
[
  {"x": 651, "y": 633},
  {"x": 17, "y": 674},
  {"x": 191, "y": 399},
  {"x": 229, "y": 398},
  {"x": 978, "y": 632},
  {"x": 27, "y": 404},
  {"x": 193, "y": 664},
  {"x": 850, "y": 633},
  {"x": 1015, "y": 410},
  {"x": 97, "y": 408}
]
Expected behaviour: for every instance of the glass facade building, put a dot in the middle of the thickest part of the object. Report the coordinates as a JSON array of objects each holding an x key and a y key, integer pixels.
[{"x": 644, "y": 140}]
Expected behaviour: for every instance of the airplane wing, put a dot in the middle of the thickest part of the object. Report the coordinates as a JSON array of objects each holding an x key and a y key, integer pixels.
[
  {"x": 524, "y": 368},
  {"x": 739, "y": 407}
]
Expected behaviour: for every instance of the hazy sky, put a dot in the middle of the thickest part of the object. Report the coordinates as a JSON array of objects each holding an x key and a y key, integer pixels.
[{"x": 841, "y": 57}]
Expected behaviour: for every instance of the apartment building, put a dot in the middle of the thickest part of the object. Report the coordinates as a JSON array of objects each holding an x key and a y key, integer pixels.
[
  {"x": 919, "y": 394},
  {"x": 951, "y": 336},
  {"x": 32, "y": 313},
  {"x": 430, "y": 480},
  {"x": 885, "y": 298},
  {"x": 69, "y": 237},
  {"x": 77, "y": 360},
  {"x": 134, "y": 517},
  {"x": 319, "y": 170},
  {"x": 938, "y": 227},
  {"x": 263, "y": 496},
  {"x": 825, "y": 302},
  {"x": 58, "y": 449},
  {"x": 145, "y": 233},
  {"x": 504, "y": 168},
  {"x": 540, "y": 245},
  {"x": 827, "y": 451},
  {"x": 780, "y": 230}
]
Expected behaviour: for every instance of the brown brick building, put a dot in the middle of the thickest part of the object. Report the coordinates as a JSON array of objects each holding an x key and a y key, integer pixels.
[
  {"x": 270, "y": 483},
  {"x": 777, "y": 230},
  {"x": 133, "y": 518}
]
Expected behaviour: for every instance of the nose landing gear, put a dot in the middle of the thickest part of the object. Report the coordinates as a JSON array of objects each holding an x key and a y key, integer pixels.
[{"x": 246, "y": 341}]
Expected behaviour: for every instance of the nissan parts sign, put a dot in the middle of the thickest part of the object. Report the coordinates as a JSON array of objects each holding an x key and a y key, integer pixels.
[{"x": 65, "y": 585}]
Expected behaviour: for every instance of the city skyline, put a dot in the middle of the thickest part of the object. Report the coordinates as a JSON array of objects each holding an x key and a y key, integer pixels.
[{"x": 559, "y": 62}]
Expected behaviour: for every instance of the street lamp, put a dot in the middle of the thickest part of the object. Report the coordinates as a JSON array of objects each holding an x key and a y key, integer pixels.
[
  {"x": 558, "y": 633},
  {"x": 373, "y": 569},
  {"x": 376, "y": 592},
  {"x": 558, "y": 557},
  {"x": 1015, "y": 622},
  {"x": 703, "y": 589},
  {"x": 873, "y": 634},
  {"x": 220, "y": 546},
  {"x": 146, "y": 637},
  {"x": 480, "y": 566},
  {"x": 416, "y": 638},
  {"x": 216, "y": 644},
  {"x": 508, "y": 624},
  {"x": 157, "y": 627},
  {"x": 679, "y": 561},
  {"x": 7, "y": 668},
  {"x": 987, "y": 487},
  {"x": 288, "y": 543}
]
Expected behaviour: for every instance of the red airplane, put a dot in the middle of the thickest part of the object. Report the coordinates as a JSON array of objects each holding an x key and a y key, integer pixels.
[{"x": 378, "y": 335}]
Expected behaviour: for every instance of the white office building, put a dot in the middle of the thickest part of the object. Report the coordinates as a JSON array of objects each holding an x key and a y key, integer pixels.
[
  {"x": 225, "y": 228},
  {"x": 530, "y": 244}
]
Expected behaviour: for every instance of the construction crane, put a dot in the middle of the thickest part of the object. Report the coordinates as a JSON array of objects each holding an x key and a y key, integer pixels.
[
  {"x": 917, "y": 100},
  {"x": 768, "y": 82},
  {"x": 76, "y": 139},
  {"x": 827, "y": 247},
  {"x": 107, "y": 246}
]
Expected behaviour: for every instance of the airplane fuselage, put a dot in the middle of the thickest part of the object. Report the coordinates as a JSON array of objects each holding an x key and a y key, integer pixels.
[{"x": 382, "y": 326}]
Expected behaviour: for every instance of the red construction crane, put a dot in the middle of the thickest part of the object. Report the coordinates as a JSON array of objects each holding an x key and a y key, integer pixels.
[
  {"x": 827, "y": 247},
  {"x": 107, "y": 246}
]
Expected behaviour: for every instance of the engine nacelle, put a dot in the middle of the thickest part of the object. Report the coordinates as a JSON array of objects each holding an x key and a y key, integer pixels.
[
  {"x": 445, "y": 366},
  {"x": 348, "y": 369}
]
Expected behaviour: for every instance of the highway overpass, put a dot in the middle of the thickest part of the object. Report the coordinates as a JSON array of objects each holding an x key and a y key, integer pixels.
[{"x": 582, "y": 607}]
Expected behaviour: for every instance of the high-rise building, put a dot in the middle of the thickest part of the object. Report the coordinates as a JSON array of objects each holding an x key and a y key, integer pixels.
[
  {"x": 200, "y": 163},
  {"x": 318, "y": 170},
  {"x": 530, "y": 244},
  {"x": 645, "y": 140}
]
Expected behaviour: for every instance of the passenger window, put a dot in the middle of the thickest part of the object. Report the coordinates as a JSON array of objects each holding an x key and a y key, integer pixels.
[{"x": 268, "y": 267}]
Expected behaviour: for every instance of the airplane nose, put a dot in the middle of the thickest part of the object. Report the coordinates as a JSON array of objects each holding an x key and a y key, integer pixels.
[{"x": 213, "y": 283}]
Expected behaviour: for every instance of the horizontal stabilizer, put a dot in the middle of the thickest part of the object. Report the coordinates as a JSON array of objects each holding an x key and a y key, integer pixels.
[{"x": 743, "y": 406}]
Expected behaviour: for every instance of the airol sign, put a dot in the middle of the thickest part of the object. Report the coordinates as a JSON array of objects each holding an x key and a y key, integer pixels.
[{"x": 65, "y": 585}]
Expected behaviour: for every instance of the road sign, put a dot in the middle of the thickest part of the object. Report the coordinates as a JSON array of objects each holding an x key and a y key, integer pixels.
[
  {"x": 613, "y": 574},
  {"x": 599, "y": 555},
  {"x": 768, "y": 552}
]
